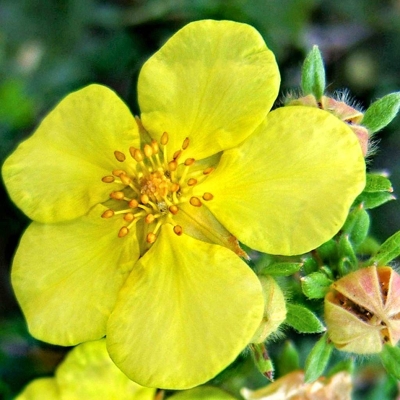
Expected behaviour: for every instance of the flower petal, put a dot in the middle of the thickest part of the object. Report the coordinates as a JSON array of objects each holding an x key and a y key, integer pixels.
[
  {"x": 66, "y": 276},
  {"x": 55, "y": 175},
  {"x": 88, "y": 373},
  {"x": 41, "y": 388},
  {"x": 186, "y": 311},
  {"x": 213, "y": 81},
  {"x": 288, "y": 188}
]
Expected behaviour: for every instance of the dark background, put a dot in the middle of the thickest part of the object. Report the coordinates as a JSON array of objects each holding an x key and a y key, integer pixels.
[{"x": 49, "y": 48}]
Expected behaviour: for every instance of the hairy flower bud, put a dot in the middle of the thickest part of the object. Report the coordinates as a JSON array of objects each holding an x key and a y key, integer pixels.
[{"x": 362, "y": 310}]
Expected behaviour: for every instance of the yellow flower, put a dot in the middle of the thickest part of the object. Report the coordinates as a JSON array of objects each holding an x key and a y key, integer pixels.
[
  {"x": 86, "y": 373},
  {"x": 159, "y": 273}
]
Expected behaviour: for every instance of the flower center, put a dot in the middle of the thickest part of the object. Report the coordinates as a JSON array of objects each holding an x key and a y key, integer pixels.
[{"x": 154, "y": 188}]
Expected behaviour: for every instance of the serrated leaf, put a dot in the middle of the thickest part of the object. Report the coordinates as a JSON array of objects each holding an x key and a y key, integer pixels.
[
  {"x": 377, "y": 183},
  {"x": 373, "y": 200},
  {"x": 381, "y": 112},
  {"x": 388, "y": 251},
  {"x": 318, "y": 359},
  {"x": 289, "y": 359},
  {"x": 313, "y": 74},
  {"x": 302, "y": 319},
  {"x": 390, "y": 357},
  {"x": 282, "y": 268},
  {"x": 315, "y": 285}
]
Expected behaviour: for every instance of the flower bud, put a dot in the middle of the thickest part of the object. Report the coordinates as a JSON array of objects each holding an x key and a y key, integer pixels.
[
  {"x": 362, "y": 310},
  {"x": 274, "y": 309}
]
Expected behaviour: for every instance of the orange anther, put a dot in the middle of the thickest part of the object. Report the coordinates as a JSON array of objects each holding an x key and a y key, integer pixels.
[
  {"x": 173, "y": 165},
  {"x": 108, "y": 179},
  {"x": 164, "y": 138},
  {"x": 125, "y": 179},
  {"x": 151, "y": 237},
  {"x": 123, "y": 232},
  {"x": 117, "y": 195},
  {"x": 149, "y": 218},
  {"x": 207, "y": 196},
  {"x": 189, "y": 161},
  {"x": 174, "y": 187},
  {"x": 208, "y": 170},
  {"x": 148, "y": 150},
  {"x": 191, "y": 182},
  {"x": 132, "y": 151},
  {"x": 133, "y": 203},
  {"x": 177, "y": 154},
  {"x": 129, "y": 217},
  {"x": 185, "y": 144},
  {"x": 118, "y": 172},
  {"x": 154, "y": 145},
  {"x": 144, "y": 198},
  {"x": 178, "y": 230},
  {"x": 107, "y": 214},
  {"x": 173, "y": 209},
  {"x": 138, "y": 155},
  {"x": 195, "y": 201},
  {"x": 119, "y": 156}
]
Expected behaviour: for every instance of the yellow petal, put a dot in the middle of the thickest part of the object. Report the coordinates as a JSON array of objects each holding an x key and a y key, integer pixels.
[
  {"x": 39, "y": 389},
  {"x": 66, "y": 276},
  {"x": 88, "y": 373},
  {"x": 55, "y": 175},
  {"x": 213, "y": 81},
  {"x": 186, "y": 311},
  {"x": 203, "y": 393},
  {"x": 288, "y": 188}
]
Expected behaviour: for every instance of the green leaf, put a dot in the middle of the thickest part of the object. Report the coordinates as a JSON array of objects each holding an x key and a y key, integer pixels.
[
  {"x": 390, "y": 357},
  {"x": 261, "y": 359},
  {"x": 378, "y": 183},
  {"x": 318, "y": 359},
  {"x": 328, "y": 251},
  {"x": 202, "y": 393},
  {"x": 289, "y": 359},
  {"x": 310, "y": 265},
  {"x": 381, "y": 113},
  {"x": 313, "y": 74},
  {"x": 281, "y": 268},
  {"x": 344, "y": 365},
  {"x": 388, "y": 251},
  {"x": 373, "y": 200},
  {"x": 347, "y": 252},
  {"x": 315, "y": 285},
  {"x": 302, "y": 319},
  {"x": 357, "y": 225}
]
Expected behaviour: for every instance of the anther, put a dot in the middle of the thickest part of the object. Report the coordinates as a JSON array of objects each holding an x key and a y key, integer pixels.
[
  {"x": 117, "y": 195},
  {"x": 154, "y": 146},
  {"x": 123, "y": 232},
  {"x": 149, "y": 218},
  {"x": 178, "y": 230},
  {"x": 148, "y": 150},
  {"x": 173, "y": 165},
  {"x": 132, "y": 151},
  {"x": 133, "y": 203},
  {"x": 177, "y": 154},
  {"x": 189, "y": 161},
  {"x": 191, "y": 182},
  {"x": 108, "y": 179},
  {"x": 208, "y": 170},
  {"x": 118, "y": 172},
  {"x": 195, "y": 201},
  {"x": 207, "y": 196},
  {"x": 174, "y": 187},
  {"x": 107, "y": 214},
  {"x": 138, "y": 155},
  {"x": 125, "y": 179},
  {"x": 185, "y": 144},
  {"x": 173, "y": 209},
  {"x": 164, "y": 138},
  {"x": 119, "y": 156},
  {"x": 151, "y": 237},
  {"x": 129, "y": 217},
  {"x": 144, "y": 198}
]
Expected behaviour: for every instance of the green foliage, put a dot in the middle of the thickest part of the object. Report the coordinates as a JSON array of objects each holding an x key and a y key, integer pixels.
[
  {"x": 281, "y": 268},
  {"x": 289, "y": 359},
  {"x": 262, "y": 360},
  {"x": 302, "y": 319},
  {"x": 318, "y": 359},
  {"x": 390, "y": 357},
  {"x": 313, "y": 74},
  {"x": 315, "y": 285},
  {"x": 388, "y": 251},
  {"x": 357, "y": 225}
]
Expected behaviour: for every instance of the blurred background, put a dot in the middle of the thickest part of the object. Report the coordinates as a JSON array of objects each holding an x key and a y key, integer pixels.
[{"x": 49, "y": 48}]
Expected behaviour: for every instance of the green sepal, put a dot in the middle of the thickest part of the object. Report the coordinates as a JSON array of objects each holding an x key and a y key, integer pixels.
[
  {"x": 302, "y": 319},
  {"x": 357, "y": 225},
  {"x": 388, "y": 251},
  {"x": 373, "y": 200},
  {"x": 281, "y": 269},
  {"x": 289, "y": 359},
  {"x": 344, "y": 365},
  {"x": 390, "y": 357},
  {"x": 377, "y": 183},
  {"x": 310, "y": 265},
  {"x": 318, "y": 359},
  {"x": 346, "y": 251},
  {"x": 381, "y": 112},
  {"x": 261, "y": 359},
  {"x": 313, "y": 74},
  {"x": 315, "y": 285},
  {"x": 328, "y": 251}
]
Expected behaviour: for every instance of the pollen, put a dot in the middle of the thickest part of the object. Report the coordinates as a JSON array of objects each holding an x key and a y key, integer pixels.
[{"x": 152, "y": 185}]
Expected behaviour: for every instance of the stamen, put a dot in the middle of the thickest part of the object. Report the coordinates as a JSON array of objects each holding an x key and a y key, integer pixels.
[
  {"x": 138, "y": 155},
  {"x": 133, "y": 203},
  {"x": 174, "y": 187},
  {"x": 155, "y": 147},
  {"x": 172, "y": 165},
  {"x": 208, "y": 170},
  {"x": 144, "y": 199},
  {"x": 177, "y": 154},
  {"x": 191, "y": 182},
  {"x": 173, "y": 209},
  {"x": 195, "y": 201},
  {"x": 185, "y": 144},
  {"x": 118, "y": 172},
  {"x": 151, "y": 238},
  {"x": 123, "y": 232},
  {"x": 164, "y": 138},
  {"x": 149, "y": 218},
  {"x": 119, "y": 156},
  {"x": 108, "y": 179},
  {"x": 117, "y": 195},
  {"x": 148, "y": 150},
  {"x": 178, "y": 230},
  {"x": 207, "y": 196},
  {"x": 107, "y": 214},
  {"x": 189, "y": 162},
  {"x": 125, "y": 179},
  {"x": 129, "y": 217}
]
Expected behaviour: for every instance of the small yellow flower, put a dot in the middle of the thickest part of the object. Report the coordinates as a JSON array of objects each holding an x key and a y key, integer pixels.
[
  {"x": 135, "y": 221},
  {"x": 86, "y": 373},
  {"x": 362, "y": 310}
]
